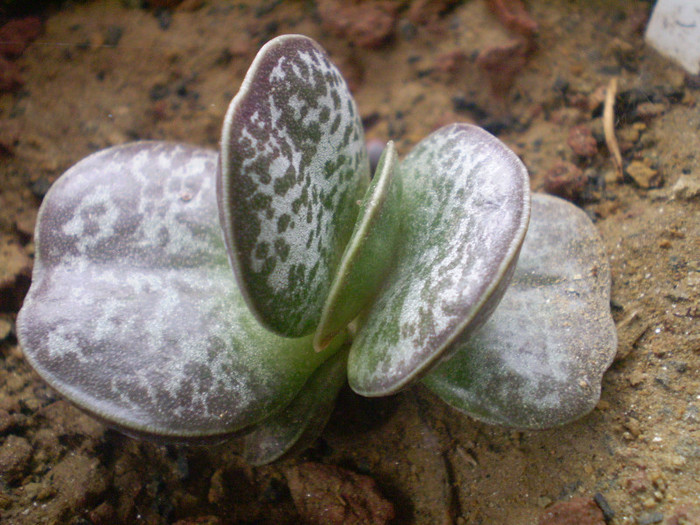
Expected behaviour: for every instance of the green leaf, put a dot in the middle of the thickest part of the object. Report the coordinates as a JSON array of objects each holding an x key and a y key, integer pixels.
[
  {"x": 539, "y": 360},
  {"x": 299, "y": 424},
  {"x": 293, "y": 166},
  {"x": 134, "y": 313},
  {"x": 370, "y": 252},
  {"x": 465, "y": 210}
]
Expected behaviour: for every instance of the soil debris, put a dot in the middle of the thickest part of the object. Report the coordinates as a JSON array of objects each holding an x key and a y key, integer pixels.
[
  {"x": 582, "y": 142},
  {"x": 15, "y": 454},
  {"x": 577, "y": 511},
  {"x": 17, "y": 34},
  {"x": 15, "y": 274},
  {"x": 643, "y": 175},
  {"x": 502, "y": 64},
  {"x": 686, "y": 188},
  {"x": 514, "y": 16},
  {"x": 565, "y": 180},
  {"x": 330, "y": 495},
  {"x": 368, "y": 24}
]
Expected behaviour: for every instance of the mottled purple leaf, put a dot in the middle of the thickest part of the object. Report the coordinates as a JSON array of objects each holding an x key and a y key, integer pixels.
[
  {"x": 293, "y": 166},
  {"x": 134, "y": 313},
  {"x": 538, "y": 361},
  {"x": 465, "y": 210}
]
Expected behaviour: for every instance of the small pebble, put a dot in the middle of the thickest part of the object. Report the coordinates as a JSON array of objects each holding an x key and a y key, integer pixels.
[
  {"x": 5, "y": 328},
  {"x": 648, "y": 110},
  {"x": 17, "y": 34},
  {"x": 582, "y": 141},
  {"x": 644, "y": 176},
  {"x": 15, "y": 455},
  {"x": 648, "y": 519},
  {"x": 577, "y": 511},
  {"x": 686, "y": 188},
  {"x": 636, "y": 378},
  {"x": 565, "y": 180},
  {"x": 608, "y": 512}
]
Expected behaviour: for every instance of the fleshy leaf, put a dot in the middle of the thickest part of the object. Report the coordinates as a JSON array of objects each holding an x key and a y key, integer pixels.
[
  {"x": 293, "y": 166},
  {"x": 134, "y": 313},
  {"x": 465, "y": 209},
  {"x": 538, "y": 361},
  {"x": 296, "y": 426},
  {"x": 370, "y": 252}
]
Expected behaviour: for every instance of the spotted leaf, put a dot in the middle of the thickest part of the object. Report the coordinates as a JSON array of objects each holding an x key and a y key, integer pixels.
[
  {"x": 538, "y": 361},
  {"x": 293, "y": 166},
  {"x": 134, "y": 313},
  {"x": 465, "y": 209}
]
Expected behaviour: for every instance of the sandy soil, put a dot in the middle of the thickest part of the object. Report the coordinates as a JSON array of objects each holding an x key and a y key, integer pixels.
[{"x": 103, "y": 73}]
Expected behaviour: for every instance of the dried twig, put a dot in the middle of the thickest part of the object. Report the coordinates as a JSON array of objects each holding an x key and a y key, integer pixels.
[{"x": 609, "y": 126}]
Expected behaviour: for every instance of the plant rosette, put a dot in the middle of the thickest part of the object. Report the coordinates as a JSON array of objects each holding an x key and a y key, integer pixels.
[{"x": 185, "y": 294}]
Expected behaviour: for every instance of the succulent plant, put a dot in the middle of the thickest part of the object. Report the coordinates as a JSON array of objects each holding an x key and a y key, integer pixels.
[{"x": 186, "y": 294}]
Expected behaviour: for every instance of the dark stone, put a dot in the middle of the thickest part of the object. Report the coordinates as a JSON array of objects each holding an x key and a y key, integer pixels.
[{"x": 608, "y": 512}]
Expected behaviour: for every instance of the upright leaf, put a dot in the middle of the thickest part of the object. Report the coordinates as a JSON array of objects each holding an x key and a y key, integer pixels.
[
  {"x": 465, "y": 210},
  {"x": 293, "y": 166},
  {"x": 370, "y": 252}
]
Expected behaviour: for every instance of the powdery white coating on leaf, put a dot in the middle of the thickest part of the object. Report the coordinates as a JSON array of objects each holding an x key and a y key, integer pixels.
[
  {"x": 293, "y": 166},
  {"x": 133, "y": 312},
  {"x": 465, "y": 213},
  {"x": 539, "y": 360}
]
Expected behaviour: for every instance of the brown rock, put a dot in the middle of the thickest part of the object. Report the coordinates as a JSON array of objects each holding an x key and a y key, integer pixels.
[
  {"x": 103, "y": 514},
  {"x": 47, "y": 448},
  {"x": 9, "y": 136},
  {"x": 513, "y": 15},
  {"x": 365, "y": 24},
  {"x": 17, "y": 34},
  {"x": 68, "y": 421},
  {"x": 10, "y": 76},
  {"x": 451, "y": 62},
  {"x": 502, "y": 63},
  {"x": 685, "y": 515},
  {"x": 649, "y": 110},
  {"x": 5, "y": 328},
  {"x": 15, "y": 454},
  {"x": 351, "y": 68},
  {"x": 328, "y": 495},
  {"x": 78, "y": 481},
  {"x": 25, "y": 221},
  {"x": 582, "y": 141},
  {"x": 6, "y": 421},
  {"x": 15, "y": 274},
  {"x": 577, "y": 511},
  {"x": 686, "y": 188},
  {"x": 428, "y": 12},
  {"x": 565, "y": 180},
  {"x": 643, "y": 175}
]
